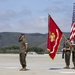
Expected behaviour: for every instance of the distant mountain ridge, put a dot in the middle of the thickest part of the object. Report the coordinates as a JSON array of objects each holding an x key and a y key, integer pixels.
[
  {"x": 11, "y": 38},
  {"x": 33, "y": 39}
]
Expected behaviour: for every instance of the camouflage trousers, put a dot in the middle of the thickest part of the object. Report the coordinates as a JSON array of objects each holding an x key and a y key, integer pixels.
[
  {"x": 67, "y": 57},
  {"x": 23, "y": 59},
  {"x": 73, "y": 58}
]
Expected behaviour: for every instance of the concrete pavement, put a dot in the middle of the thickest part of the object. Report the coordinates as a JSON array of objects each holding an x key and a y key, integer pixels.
[{"x": 37, "y": 65}]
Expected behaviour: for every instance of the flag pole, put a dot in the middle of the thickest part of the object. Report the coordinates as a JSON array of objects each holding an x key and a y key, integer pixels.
[
  {"x": 48, "y": 31},
  {"x": 48, "y": 23},
  {"x": 68, "y": 42}
]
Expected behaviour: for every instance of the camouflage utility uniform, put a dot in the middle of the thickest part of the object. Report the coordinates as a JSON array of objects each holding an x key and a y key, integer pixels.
[
  {"x": 23, "y": 52},
  {"x": 73, "y": 56},
  {"x": 67, "y": 55}
]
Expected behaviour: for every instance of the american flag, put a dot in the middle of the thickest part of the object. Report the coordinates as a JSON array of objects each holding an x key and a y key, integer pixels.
[{"x": 72, "y": 33}]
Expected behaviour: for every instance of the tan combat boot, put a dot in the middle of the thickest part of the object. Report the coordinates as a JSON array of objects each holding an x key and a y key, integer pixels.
[
  {"x": 67, "y": 67},
  {"x": 23, "y": 69}
]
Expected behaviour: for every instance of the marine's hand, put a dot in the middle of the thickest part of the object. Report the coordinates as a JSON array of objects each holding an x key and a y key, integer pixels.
[
  {"x": 49, "y": 52},
  {"x": 25, "y": 52},
  {"x": 64, "y": 48}
]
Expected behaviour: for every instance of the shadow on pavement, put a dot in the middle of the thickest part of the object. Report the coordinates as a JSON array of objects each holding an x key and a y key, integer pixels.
[{"x": 55, "y": 68}]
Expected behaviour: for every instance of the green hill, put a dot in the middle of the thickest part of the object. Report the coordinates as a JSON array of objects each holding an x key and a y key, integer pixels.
[
  {"x": 33, "y": 39},
  {"x": 11, "y": 38}
]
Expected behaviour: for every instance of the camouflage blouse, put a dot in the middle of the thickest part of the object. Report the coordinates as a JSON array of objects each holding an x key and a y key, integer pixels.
[{"x": 23, "y": 43}]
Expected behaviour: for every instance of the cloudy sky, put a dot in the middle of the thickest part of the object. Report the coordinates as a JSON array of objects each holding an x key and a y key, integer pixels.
[{"x": 31, "y": 16}]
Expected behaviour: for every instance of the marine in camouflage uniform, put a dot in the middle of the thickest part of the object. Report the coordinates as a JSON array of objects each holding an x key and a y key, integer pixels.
[
  {"x": 73, "y": 55},
  {"x": 23, "y": 51},
  {"x": 67, "y": 54}
]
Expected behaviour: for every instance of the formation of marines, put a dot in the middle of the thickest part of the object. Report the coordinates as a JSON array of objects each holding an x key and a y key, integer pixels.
[{"x": 67, "y": 48}]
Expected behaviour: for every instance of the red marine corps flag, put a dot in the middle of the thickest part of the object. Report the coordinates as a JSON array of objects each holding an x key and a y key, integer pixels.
[{"x": 54, "y": 37}]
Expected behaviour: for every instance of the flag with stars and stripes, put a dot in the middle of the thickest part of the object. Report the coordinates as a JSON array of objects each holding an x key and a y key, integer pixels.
[{"x": 72, "y": 33}]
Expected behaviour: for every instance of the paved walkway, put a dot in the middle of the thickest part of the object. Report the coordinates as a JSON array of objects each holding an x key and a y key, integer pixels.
[{"x": 37, "y": 65}]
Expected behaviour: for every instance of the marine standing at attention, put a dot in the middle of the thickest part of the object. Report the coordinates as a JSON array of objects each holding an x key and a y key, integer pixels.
[
  {"x": 67, "y": 53},
  {"x": 73, "y": 54},
  {"x": 23, "y": 51}
]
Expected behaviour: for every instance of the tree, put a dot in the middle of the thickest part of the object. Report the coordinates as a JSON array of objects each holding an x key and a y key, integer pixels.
[{"x": 36, "y": 49}]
